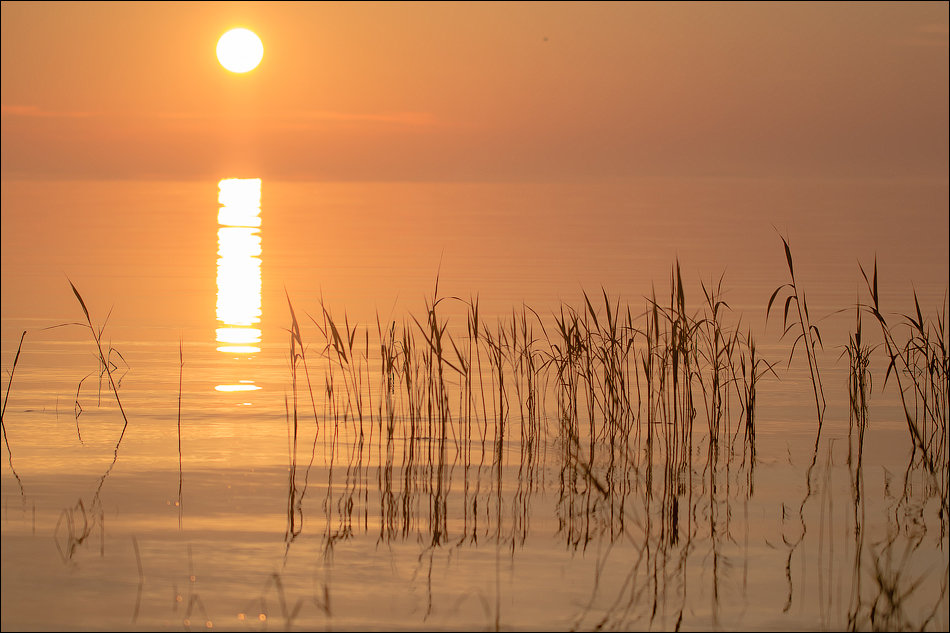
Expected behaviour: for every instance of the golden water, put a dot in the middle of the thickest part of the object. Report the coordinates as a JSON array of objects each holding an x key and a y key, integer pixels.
[{"x": 216, "y": 510}]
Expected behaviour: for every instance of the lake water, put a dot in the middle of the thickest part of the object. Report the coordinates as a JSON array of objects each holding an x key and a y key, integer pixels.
[{"x": 254, "y": 479}]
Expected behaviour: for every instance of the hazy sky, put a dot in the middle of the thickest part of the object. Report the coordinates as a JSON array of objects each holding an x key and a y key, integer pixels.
[{"x": 482, "y": 91}]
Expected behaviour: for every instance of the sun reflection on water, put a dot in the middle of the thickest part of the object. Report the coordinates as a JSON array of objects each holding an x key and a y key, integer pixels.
[{"x": 239, "y": 271}]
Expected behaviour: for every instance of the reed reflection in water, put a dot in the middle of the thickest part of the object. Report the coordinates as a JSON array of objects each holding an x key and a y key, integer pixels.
[{"x": 239, "y": 271}]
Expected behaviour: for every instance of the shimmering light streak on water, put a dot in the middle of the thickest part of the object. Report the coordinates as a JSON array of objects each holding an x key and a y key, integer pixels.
[
  {"x": 239, "y": 271},
  {"x": 245, "y": 387}
]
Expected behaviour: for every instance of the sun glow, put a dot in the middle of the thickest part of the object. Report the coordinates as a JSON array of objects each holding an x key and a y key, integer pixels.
[{"x": 240, "y": 50}]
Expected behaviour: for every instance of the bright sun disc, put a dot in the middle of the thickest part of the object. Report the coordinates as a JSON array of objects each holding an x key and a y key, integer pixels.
[{"x": 240, "y": 50}]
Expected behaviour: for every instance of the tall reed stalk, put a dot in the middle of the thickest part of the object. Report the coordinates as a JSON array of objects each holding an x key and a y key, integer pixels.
[
  {"x": 805, "y": 332},
  {"x": 6, "y": 396}
]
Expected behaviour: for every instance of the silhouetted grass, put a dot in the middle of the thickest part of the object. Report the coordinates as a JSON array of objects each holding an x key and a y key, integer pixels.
[
  {"x": 918, "y": 361},
  {"x": 181, "y": 371},
  {"x": 804, "y": 330},
  {"x": 6, "y": 396}
]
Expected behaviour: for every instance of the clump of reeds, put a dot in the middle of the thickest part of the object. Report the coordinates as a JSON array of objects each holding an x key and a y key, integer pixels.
[
  {"x": 624, "y": 387},
  {"x": 624, "y": 397},
  {"x": 917, "y": 355}
]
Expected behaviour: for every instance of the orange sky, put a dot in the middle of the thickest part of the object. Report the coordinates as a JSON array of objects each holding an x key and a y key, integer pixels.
[{"x": 483, "y": 91}]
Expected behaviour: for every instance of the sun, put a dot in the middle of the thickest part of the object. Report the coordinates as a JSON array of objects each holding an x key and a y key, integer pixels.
[{"x": 240, "y": 50}]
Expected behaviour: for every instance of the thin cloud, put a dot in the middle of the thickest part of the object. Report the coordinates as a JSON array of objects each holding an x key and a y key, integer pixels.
[
  {"x": 37, "y": 112},
  {"x": 412, "y": 119},
  {"x": 398, "y": 118},
  {"x": 928, "y": 35},
  {"x": 295, "y": 120}
]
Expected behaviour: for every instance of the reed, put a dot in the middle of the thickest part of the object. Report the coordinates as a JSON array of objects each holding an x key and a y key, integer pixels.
[
  {"x": 804, "y": 330},
  {"x": 141, "y": 583},
  {"x": 181, "y": 371},
  {"x": 752, "y": 369},
  {"x": 106, "y": 364},
  {"x": 76, "y": 523},
  {"x": 859, "y": 388},
  {"x": 6, "y": 397},
  {"x": 917, "y": 357},
  {"x": 289, "y": 613}
]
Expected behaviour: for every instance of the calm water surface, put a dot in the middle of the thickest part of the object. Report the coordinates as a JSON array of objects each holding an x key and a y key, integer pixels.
[{"x": 267, "y": 481}]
